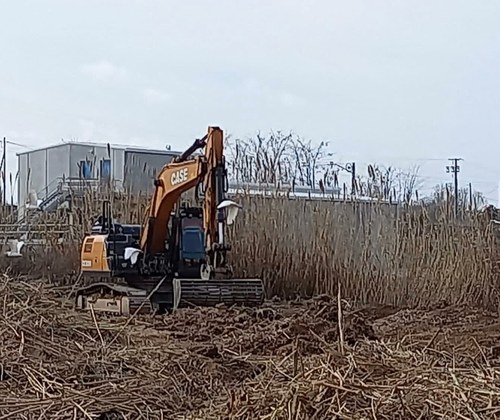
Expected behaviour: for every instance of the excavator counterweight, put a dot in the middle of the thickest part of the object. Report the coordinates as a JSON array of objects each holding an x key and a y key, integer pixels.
[{"x": 178, "y": 257}]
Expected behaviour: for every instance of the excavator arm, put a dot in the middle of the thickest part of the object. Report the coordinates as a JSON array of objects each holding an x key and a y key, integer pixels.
[
  {"x": 179, "y": 176},
  {"x": 173, "y": 180}
]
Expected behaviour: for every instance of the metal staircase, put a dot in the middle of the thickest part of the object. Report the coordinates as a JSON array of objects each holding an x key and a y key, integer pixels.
[
  {"x": 63, "y": 189},
  {"x": 46, "y": 221}
]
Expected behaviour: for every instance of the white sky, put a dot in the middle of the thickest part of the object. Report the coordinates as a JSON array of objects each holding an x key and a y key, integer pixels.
[{"x": 384, "y": 81}]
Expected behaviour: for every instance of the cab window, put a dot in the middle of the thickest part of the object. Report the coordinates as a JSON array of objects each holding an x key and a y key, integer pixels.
[{"x": 193, "y": 244}]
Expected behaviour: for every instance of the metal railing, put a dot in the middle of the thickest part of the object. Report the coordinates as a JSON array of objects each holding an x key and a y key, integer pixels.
[{"x": 65, "y": 186}]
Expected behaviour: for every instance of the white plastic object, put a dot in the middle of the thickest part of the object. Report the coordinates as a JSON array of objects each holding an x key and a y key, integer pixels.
[
  {"x": 15, "y": 248},
  {"x": 232, "y": 210},
  {"x": 131, "y": 254}
]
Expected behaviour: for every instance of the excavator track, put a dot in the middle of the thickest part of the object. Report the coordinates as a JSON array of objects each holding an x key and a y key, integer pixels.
[
  {"x": 170, "y": 295},
  {"x": 247, "y": 292}
]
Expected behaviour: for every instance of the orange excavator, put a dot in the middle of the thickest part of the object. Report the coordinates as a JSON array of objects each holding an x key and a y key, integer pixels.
[{"x": 178, "y": 257}]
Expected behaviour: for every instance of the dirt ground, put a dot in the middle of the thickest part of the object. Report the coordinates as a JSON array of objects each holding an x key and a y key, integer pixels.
[{"x": 281, "y": 361}]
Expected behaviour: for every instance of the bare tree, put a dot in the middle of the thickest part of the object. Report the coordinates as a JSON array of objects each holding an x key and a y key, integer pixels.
[
  {"x": 314, "y": 166},
  {"x": 408, "y": 184},
  {"x": 389, "y": 183},
  {"x": 262, "y": 160},
  {"x": 286, "y": 159},
  {"x": 280, "y": 159},
  {"x": 380, "y": 182},
  {"x": 444, "y": 193}
]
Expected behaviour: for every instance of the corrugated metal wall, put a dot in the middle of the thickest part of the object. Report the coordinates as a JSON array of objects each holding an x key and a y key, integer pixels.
[
  {"x": 41, "y": 170},
  {"x": 22, "y": 182},
  {"x": 57, "y": 165},
  {"x": 38, "y": 170},
  {"x": 141, "y": 169},
  {"x": 81, "y": 152}
]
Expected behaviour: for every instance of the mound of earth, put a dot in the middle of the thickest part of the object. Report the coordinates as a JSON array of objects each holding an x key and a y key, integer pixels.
[{"x": 271, "y": 330}]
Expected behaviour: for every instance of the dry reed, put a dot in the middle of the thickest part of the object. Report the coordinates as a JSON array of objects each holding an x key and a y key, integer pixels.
[
  {"x": 379, "y": 253},
  {"x": 280, "y": 362}
]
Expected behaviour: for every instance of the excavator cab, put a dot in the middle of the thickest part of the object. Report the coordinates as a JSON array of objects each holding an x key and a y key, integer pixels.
[{"x": 187, "y": 231}]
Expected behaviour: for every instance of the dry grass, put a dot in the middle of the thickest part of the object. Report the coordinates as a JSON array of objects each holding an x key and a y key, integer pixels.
[
  {"x": 379, "y": 253},
  {"x": 280, "y": 362}
]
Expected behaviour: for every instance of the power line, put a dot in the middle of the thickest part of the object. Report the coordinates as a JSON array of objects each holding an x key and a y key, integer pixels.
[{"x": 17, "y": 144}]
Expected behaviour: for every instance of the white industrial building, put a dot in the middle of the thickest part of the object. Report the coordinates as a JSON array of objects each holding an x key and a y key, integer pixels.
[{"x": 43, "y": 171}]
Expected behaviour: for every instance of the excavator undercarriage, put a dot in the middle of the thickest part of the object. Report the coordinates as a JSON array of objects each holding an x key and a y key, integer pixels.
[
  {"x": 178, "y": 257},
  {"x": 170, "y": 295}
]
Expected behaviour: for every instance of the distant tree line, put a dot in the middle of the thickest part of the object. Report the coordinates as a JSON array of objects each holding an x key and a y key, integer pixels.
[{"x": 285, "y": 159}]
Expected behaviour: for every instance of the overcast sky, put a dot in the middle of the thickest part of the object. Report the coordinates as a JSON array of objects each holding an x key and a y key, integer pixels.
[{"x": 393, "y": 82}]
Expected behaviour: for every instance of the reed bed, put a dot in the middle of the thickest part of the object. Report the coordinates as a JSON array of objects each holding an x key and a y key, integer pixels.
[{"x": 377, "y": 253}]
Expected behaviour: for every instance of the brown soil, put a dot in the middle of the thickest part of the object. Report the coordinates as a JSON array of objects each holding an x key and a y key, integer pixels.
[{"x": 280, "y": 361}]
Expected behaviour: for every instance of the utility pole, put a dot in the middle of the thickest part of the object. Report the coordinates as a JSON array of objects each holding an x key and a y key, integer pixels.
[
  {"x": 470, "y": 196},
  {"x": 4, "y": 177},
  {"x": 351, "y": 168},
  {"x": 454, "y": 169},
  {"x": 499, "y": 194}
]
